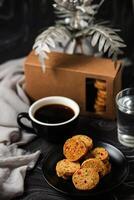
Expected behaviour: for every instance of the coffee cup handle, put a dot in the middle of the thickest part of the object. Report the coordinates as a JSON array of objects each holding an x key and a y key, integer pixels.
[{"x": 20, "y": 123}]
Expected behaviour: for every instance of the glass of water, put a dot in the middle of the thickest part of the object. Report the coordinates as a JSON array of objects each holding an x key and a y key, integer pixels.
[{"x": 125, "y": 116}]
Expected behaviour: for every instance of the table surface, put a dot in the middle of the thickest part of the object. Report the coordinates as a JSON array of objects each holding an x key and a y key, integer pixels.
[{"x": 36, "y": 188}]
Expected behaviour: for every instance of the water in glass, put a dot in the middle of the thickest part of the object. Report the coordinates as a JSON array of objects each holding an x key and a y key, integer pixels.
[{"x": 125, "y": 120}]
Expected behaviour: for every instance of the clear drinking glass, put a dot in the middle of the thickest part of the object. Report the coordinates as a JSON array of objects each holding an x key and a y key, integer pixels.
[{"x": 125, "y": 116}]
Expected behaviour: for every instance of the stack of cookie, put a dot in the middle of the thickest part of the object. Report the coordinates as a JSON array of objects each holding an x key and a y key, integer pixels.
[
  {"x": 85, "y": 165},
  {"x": 100, "y": 101}
]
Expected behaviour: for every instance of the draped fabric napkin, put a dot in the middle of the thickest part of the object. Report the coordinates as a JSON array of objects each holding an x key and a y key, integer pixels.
[{"x": 14, "y": 161}]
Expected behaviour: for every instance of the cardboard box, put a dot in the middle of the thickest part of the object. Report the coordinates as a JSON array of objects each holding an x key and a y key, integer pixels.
[{"x": 74, "y": 76}]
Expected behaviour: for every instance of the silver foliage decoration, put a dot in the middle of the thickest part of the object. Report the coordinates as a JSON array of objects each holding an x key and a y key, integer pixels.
[
  {"x": 67, "y": 4},
  {"x": 48, "y": 39},
  {"x": 76, "y": 31}
]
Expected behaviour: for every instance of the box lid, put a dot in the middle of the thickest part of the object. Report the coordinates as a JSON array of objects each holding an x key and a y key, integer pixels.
[{"x": 79, "y": 63}]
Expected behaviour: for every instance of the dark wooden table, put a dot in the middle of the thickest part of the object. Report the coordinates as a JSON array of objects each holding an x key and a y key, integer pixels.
[{"x": 36, "y": 188}]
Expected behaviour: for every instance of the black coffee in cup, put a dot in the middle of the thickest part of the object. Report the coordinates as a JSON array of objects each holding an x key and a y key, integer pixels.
[
  {"x": 53, "y": 118},
  {"x": 54, "y": 113}
]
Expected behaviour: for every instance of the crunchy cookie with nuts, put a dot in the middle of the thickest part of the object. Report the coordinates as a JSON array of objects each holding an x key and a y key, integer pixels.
[
  {"x": 102, "y": 94},
  {"x": 93, "y": 163},
  {"x": 99, "y": 108},
  {"x": 106, "y": 169},
  {"x": 86, "y": 139},
  {"x": 100, "y": 153},
  {"x": 85, "y": 179},
  {"x": 100, "y": 103},
  {"x": 100, "y": 84},
  {"x": 74, "y": 149},
  {"x": 66, "y": 168}
]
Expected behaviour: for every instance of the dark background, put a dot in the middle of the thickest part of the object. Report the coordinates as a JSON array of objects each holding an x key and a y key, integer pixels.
[{"x": 21, "y": 21}]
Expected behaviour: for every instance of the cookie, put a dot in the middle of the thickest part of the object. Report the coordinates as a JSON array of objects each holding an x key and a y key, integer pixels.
[
  {"x": 100, "y": 103},
  {"x": 100, "y": 153},
  {"x": 107, "y": 167},
  {"x": 102, "y": 94},
  {"x": 100, "y": 99},
  {"x": 93, "y": 163},
  {"x": 99, "y": 108},
  {"x": 100, "y": 84},
  {"x": 74, "y": 149},
  {"x": 86, "y": 139},
  {"x": 65, "y": 168},
  {"x": 85, "y": 179}
]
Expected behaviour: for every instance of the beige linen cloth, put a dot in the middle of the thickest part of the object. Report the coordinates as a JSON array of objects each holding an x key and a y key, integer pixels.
[{"x": 14, "y": 161}]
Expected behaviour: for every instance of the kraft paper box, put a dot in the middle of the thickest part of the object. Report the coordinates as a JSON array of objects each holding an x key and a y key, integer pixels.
[{"x": 74, "y": 76}]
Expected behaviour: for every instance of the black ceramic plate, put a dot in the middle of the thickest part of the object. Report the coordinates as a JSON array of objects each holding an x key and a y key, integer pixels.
[{"x": 117, "y": 175}]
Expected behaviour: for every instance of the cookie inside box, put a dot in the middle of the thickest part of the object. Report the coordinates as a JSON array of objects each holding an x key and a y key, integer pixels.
[{"x": 96, "y": 95}]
